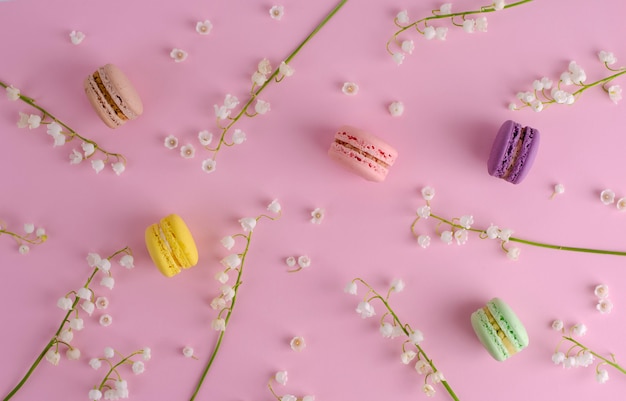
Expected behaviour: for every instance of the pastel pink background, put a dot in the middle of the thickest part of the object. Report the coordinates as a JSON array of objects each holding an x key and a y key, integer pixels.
[{"x": 455, "y": 94}]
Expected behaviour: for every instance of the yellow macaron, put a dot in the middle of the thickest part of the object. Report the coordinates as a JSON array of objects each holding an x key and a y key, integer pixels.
[{"x": 171, "y": 245}]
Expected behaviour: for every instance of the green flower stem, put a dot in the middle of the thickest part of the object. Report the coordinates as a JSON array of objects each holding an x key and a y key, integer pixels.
[
  {"x": 524, "y": 241},
  {"x": 605, "y": 360},
  {"x": 273, "y": 76},
  {"x": 406, "y": 332},
  {"x": 53, "y": 341},
  {"x": 485, "y": 9},
  {"x": 226, "y": 319},
  {"x": 113, "y": 368},
  {"x": 24, "y": 238},
  {"x": 71, "y": 133}
]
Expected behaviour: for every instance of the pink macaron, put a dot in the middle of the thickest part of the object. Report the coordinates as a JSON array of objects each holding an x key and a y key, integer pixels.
[
  {"x": 113, "y": 96},
  {"x": 363, "y": 153}
]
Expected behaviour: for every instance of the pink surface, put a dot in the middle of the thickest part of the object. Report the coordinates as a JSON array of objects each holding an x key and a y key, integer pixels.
[{"x": 455, "y": 95}]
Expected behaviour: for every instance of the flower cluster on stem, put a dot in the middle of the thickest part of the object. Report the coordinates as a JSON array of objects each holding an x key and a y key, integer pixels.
[
  {"x": 570, "y": 86},
  {"x": 233, "y": 265},
  {"x": 62, "y": 133},
  {"x": 226, "y": 114},
  {"x": 281, "y": 378},
  {"x": 577, "y": 354},
  {"x": 398, "y": 48},
  {"x": 74, "y": 303},
  {"x": 460, "y": 227},
  {"x": 30, "y": 236},
  {"x": 113, "y": 386},
  {"x": 391, "y": 326}
]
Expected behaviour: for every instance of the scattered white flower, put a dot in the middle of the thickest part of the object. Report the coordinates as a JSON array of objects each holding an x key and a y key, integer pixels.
[
  {"x": 204, "y": 27},
  {"x": 557, "y": 325},
  {"x": 461, "y": 236},
  {"x": 258, "y": 78},
  {"x": 221, "y": 112},
  {"x": 264, "y": 67},
  {"x": 407, "y": 46},
  {"x": 429, "y": 32},
  {"x": 422, "y": 367},
  {"x": 579, "y": 329},
  {"x": 607, "y": 57},
  {"x": 106, "y": 320},
  {"x": 88, "y": 307},
  {"x": 95, "y": 363},
  {"x": 108, "y": 282},
  {"x": 466, "y": 221},
  {"x": 102, "y": 302},
  {"x": 88, "y": 148},
  {"x": 288, "y": 397},
  {"x": 403, "y": 17},
  {"x": 607, "y": 196},
  {"x": 558, "y": 190},
  {"x": 65, "y": 303},
  {"x": 398, "y": 58},
  {"x": 505, "y": 234},
  {"x": 513, "y": 253},
  {"x": 228, "y": 242},
  {"x": 178, "y": 55},
  {"x": 95, "y": 394},
  {"x": 469, "y": 25},
  {"x": 261, "y": 106},
  {"x": 109, "y": 352},
  {"x": 416, "y": 337},
  {"x": 187, "y": 151},
  {"x": 171, "y": 142},
  {"x": 350, "y": 88},
  {"x": 127, "y": 261},
  {"x": 208, "y": 165},
  {"x": 317, "y": 215},
  {"x": 601, "y": 291},
  {"x": 615, "y": 93},
  {"x": 23, "y": 249},
  {"x": 428, "y": 193},
  {"x": 492, "y": 231},
  {"x": 447, "y": 236},
  {"x": 536, "y": 105},
  {"x": 350, "y": 288},
  {"x": 277, "y": 12},
  {"x": 118, "y": 167},
  {"x": 621, "y": 204},
  {"x": 29, "y": 228},
  {"x": 218, "y": 303},
  {"x": 499, "y": 5},
  {"x": 386, "y": 330},
  {"x": 423, "y": 211},
  {"x": 604, "y": 306},
  {"x": 66, "y": 335},
  {"x": 602, "y": 376},
  {"x": 53, "y": 356},
  {"x": 33, "y": 121},
  {"x": 138, "y": 367},
  {"x": 558, "y": 358},
  {"x": 83, "y": 293},
  {"x": 437, "y": 377},
  {"x": 396, "y": 109},
  {"x": 481, "y": 24},
  {"x": 146, "y": 353},
  {"x": 205, "y": 137},
  {"x": 274, "y": 206},
  {"x": 446, "y": 8},
  {"x": 72, "y": 354},
  {"x": 365, "y": 309},
  {"x": 222, "y": 277},
  {"x": 104, "y": 265},
  {"x": 188, "y": 351},
  {"x": 228, "y": 292},
  {"x": 12, "y": 93},
  {"x": 297, "y": 343},
  {"x": 423, "y": 241},
  {"x": 239, "y": 136},
  {"x": 23, "y": 121},
  {"x": 285, "y": 69},
  {"x": 231, "y": 261},
  {"x": 407, "y": 356},
  {"x": 97, "y": 165},
  {"x": 281, "y": 377},
  {"x": 397, "y": 285},
  {"x": 248, "y": 223},
  {"x": 76, "y": 37},
  {"x": 308, "y": 398},
  {"x": 76, "y": 157},
  {"x": 304, "y": 261},
  {"x": 77, "y": 324}
]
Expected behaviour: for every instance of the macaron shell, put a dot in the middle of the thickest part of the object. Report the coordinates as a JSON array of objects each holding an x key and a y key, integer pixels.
[
  {"x": 509, "y": 322},
  {"x": 159, "y": 252},
  {"x": 526, "y": 157},
  {"x": 100, "y": 105},
  {"x": 122, "y": 91},
  {"x": 487, "y": 335},
  {"x": 501, "y": 151},
  {"x": 358, "y": 155},
  {"x": 181, "y": 241}
]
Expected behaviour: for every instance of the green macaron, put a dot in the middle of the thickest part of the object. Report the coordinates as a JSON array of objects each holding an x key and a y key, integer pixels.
[{"x": 499, "y": 329}]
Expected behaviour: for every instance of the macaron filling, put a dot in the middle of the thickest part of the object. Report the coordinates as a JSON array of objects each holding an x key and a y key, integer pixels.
[
  {"x": 516, "y": 151},
  {"x": 107, "y": 96},
  {"x": 501, "y": 333},
  {"x": 361, "y": 152},
  {"x": 169, "y": 238}
]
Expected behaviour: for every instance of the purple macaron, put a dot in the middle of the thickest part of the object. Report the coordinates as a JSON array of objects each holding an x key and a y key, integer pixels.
[{"x": 513, "y": 152}]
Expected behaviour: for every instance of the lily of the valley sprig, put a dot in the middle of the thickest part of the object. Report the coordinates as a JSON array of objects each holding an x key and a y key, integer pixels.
[
  {"x": 457, "y": 230},
  {"x": 398, "y": 48},
  {"x": 570, "y": 86},
  {"x": 113, "y": 386},
  {"x": 62, "y": 133},
  {"x": 74, "y": 303},
  {"x": 261, "y": 78},
  {"x": 30, "y": 236},
  {"x": 281, "y": 378},
  {"x": 578, "y": 355},
  {"x": 391, "y": 326},
  {"x": 233, "y": 264}
]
